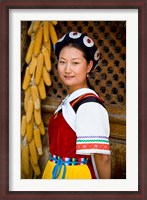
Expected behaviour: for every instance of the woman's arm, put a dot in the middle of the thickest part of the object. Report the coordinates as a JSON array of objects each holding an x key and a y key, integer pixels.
[{"x": 103, "y": 165}]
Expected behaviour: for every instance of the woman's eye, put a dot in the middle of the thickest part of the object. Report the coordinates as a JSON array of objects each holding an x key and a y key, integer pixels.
[
  {"x": 61, "y": 62},
  {"x": 75, "y": 63}
]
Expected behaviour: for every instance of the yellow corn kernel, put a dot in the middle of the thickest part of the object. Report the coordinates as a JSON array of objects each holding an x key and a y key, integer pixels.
[
  {"x": 23, "y": 125},
  {"x": 35, "y": 96},
  {"x": 46, "y": 77},
  {"x": 30, "y": 52},
  {"x": 33, "y": 152},
  {"x": 29, "y": 133},
  {"x": 36, "y": 168},
  {"x": 39, "y": 68},
  {"x": 27, "y": 96},
  {"x": 37, "y": 116},
  {"x": 38, "y": 41},
  {"x": 47, "y": 59},
  {"x": 32, "y": 65},
  {"x": 52, "y": 33},
  {"x": 38, "y": 142},
  {"x": 29, "y": 110},
  {"x": 54, "y": 22},
  {"x": 25, "y": 159},
  {"x": 41, "y": 89},
  {"x": 27, "y": 79},
  {"x": 46, "y": 31},
  {"x": 35, "y": 26},
  {"x": 30, "y": 30}
]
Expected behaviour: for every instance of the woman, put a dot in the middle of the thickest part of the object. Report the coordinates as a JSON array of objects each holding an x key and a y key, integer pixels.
[{"x": 79, "y": 129}]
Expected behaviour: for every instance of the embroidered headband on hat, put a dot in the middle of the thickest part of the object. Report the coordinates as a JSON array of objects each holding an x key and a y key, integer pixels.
[{"x": 84, "y": 41}]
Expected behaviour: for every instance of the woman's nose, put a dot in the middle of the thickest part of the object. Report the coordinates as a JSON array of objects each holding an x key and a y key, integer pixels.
[{"x": 67, "y": 68}]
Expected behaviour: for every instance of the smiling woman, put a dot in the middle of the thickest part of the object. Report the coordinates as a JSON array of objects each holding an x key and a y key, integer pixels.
[{"x": 79, "y": 129}]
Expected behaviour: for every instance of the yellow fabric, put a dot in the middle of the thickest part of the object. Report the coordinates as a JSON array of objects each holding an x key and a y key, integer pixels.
[{"x": 72, "y": 172}]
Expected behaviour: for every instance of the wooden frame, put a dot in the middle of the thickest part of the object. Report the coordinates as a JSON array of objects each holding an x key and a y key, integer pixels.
[{"x": 4, "y": 88}]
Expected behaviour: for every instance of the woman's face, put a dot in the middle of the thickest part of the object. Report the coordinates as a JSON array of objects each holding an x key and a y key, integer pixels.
[{"x": 73, "y": 68}]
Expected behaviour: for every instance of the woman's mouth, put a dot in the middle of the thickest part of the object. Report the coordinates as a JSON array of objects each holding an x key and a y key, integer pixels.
[{"x": 68, "y": 77}]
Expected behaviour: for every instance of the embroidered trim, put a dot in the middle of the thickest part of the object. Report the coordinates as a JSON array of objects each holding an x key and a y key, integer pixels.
[
  {"x": 92, "y": 142},
  {"x": 93, "y": 146},
  {"x": 106, "y": 141},
  {"x": 92, "y": 139},
  {"x": 90, "y": 136},
  {"x": 68, "y": 161}
]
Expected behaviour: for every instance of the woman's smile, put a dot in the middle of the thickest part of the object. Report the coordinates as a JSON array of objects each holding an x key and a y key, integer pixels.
[{"x": 68, "y": 77}]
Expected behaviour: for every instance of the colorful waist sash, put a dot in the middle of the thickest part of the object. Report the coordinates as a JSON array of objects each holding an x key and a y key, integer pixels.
[{"x": 65, "y": 162}]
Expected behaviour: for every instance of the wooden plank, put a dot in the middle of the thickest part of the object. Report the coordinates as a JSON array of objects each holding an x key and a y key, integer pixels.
[
  {"x": 117, "y": 131},
  {"x": 118, "y": 158}
]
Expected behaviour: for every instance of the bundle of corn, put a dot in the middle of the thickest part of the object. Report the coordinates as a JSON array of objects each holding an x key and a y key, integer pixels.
[{"x": 37, "y": 76}]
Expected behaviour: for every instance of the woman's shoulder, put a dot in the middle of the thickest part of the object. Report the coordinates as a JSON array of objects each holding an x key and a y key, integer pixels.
[{"x": 86, "y": 98}]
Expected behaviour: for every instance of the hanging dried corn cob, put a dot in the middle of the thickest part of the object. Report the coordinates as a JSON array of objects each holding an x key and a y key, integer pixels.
[
  {"x": 39, "y": 68},
  {"x": 29, "y": 111},
  {"x": 38, "y": 41},
  {"x": 37, "y": 139},
  {"x": 36, "y": 78},
  {"x": 35, "y": 96},
  {"x": 41, "y": 128},
  {"x": 27, "y": 96},
  {"x": 33, "y": 152},
  {"x": 41, "y": 88},
  {"x": 23, "y": 125},
  {"x": 35, "y": 26},
  {"x": 25, "y": 157},
  {"x": 46, "y": 31},
  {"x": 47, "y": 60},
  {"x": 33, "y": 65},
  {"x": 37, "y": 115},
  {"x": 53, "y": 34},
  {"x": 29, "y": 131},
  {"x": 36, "y": 168},
  {"x": 27, "y": 79},
  {"x": 30, "y": 51},
  {"x": 46, "y": 77}
]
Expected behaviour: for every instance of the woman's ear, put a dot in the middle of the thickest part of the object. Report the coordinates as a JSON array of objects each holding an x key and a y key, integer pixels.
[{"x": 90, "y": 65}]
